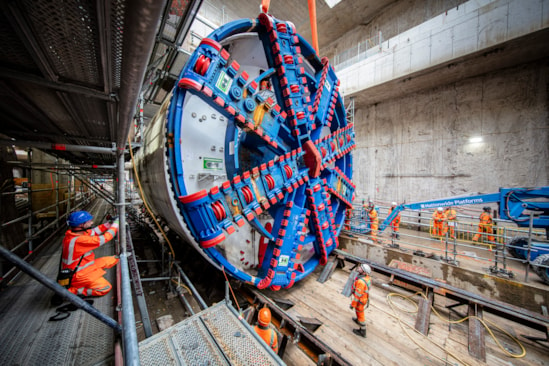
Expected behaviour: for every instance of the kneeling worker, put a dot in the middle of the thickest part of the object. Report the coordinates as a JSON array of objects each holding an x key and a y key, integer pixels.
[
  {"x": 78, "y": 245},
  {"x": 361, "y": 298},
  {"x": 264, "y": 330}
]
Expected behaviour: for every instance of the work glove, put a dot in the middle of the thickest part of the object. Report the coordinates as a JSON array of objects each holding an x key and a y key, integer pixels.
[
  {"x": 351, "y": 307},
  {"x": 112, "y": 218}
]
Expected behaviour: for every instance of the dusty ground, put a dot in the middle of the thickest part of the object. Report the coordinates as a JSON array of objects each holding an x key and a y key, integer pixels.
[{"x": 162, "y": 296}]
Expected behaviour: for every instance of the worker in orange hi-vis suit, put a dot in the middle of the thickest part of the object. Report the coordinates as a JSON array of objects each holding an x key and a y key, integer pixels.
[
  {"x": 264, "y": 330},
  {"x": 451, "y": 216},
  {"x": 395, "y": 224},
  {"x": 78, "y": 245},
  {"x": 439, "y": 222},
  {"x": 485, "y": 225},
  {"x": 372, "y": 217},
  {"x": 361, "y": 297},
  {"x": 348, "y": 215}
]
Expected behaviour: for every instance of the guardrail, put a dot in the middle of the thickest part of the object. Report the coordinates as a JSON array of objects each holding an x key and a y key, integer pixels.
[{"x": 496, "y": 254}]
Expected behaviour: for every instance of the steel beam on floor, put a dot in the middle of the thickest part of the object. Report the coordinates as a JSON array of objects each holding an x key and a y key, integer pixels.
[
  {"x": 514, "y": 313},
  {"x": 476, "y": 335},
  {"x": 312, "y": 345},
  {"x": 424, "y": 313}
]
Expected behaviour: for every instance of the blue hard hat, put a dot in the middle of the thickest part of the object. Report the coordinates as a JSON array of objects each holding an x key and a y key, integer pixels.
[{"x": 78, "y": 218}]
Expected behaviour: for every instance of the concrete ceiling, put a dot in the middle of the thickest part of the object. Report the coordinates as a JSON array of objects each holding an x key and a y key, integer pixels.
[
  {"x": 332, "y": 23},
  {"x": 520, "y": 51}
]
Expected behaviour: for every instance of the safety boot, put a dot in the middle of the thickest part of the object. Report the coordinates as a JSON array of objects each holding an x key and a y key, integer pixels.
[
  {"x": 360, "y": 332},
  {"x": 355, "y": 319}
]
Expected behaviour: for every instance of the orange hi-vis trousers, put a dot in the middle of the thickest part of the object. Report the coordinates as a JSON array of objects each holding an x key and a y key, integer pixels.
[
  {"x": 484, "y": 227},
  {"x": 91, "y": 282}
]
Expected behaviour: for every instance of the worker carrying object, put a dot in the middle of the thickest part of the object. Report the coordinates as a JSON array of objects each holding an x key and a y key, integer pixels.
[
  {"x": 361, "y": 297},
  {"x": 264, "y": 330},
  {"x": 395, "y": 224},
  {"x": 78, "y": 256},
  {"x": 485, "y": 225},
  {"x": 451, "y": 220},
  {"x": 439, "y": 222},
  {"x": 372, "y": 217}
]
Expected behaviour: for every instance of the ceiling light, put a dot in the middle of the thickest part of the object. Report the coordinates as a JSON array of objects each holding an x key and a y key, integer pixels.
[
  {"x": 332, "y": 3},
  {"x": 475, "y": 139}
]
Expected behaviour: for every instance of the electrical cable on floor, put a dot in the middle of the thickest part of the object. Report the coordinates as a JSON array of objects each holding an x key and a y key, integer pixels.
[
  {"x": 485, "y": 324},
  {"x": 404, "y": 325},
  {"x": 179, "y": 284}
]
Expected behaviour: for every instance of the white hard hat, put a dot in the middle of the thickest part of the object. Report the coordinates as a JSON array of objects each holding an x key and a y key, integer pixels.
[
  {"x": 393, "y": 203},
  {"x": 439, "y": 209},
  {"x": 365, "y": 268}
]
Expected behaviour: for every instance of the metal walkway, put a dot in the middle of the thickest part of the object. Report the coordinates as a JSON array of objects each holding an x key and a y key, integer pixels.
[
  {"x": 28, "y": 338},
  {"x": 216, "y": 336}
]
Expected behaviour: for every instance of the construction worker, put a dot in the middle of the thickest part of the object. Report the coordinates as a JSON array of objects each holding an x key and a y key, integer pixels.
[
  {"x": 347, "y": 222},
  {"x": 485, "y": 225},
  {"x": 372, "y": 217},
  {"x": 78, "y": 256},
  {"x": 396, "y": 221},
  {"x": 451, "y": 216},
  {"x": 264, "y": 330},
  {"x": 360, "y": 297},
  {"x": 265, "y": 89},
  {"x": 439, "y": 222},
  {"x": 364, "y": 208}
]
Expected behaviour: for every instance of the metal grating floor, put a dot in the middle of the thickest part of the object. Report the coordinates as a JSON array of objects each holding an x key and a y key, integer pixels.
[
  {"x": 216, "y": 336},
  {"x": 28, "y": 338}
]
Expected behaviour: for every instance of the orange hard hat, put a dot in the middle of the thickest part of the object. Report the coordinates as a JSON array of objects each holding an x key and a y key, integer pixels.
[{"x": 264, "y": 317}]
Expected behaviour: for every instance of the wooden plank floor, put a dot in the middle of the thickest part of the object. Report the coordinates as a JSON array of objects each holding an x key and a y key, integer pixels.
[{"x": 391, "y": 339}]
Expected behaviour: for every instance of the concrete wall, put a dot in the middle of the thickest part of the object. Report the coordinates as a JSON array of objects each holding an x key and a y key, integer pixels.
[
  {"x": 461, "y": 31},
  {"x": 395, "y": 19},
  {"x": 524, "y": 295},
  {"x": 417, "y": 147}
]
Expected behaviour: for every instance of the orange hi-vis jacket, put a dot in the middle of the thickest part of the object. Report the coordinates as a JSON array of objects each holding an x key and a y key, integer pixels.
[
  {"x": 450, "y": 214},
  {"x": 82, "y": 243},
  {"x": 361, "y": 296},
  {"x": 396, "y": 221},
  {"x": 486, "y": 219},
  {"x": 439, "y": 220},
  {"x": 268, "y": 335},
  {"x": 484, "y": 226},
  {"x": 372, "y": 216},
  {"x": 361, "y": 290},
  {"x": 439, "y": 217},
  {"x": 348, "y": 215}
]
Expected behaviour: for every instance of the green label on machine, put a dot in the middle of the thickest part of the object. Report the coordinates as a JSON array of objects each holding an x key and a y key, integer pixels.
[
  {"x": 224, "y": 82},
  {"x": 284, "y": 259},
  {"x": 213, "y": 164}
]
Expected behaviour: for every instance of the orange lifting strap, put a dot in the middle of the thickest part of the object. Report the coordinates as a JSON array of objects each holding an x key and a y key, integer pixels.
[
  {"x": 312, "y": 17},
  {"x": 265, "y": 6}
]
